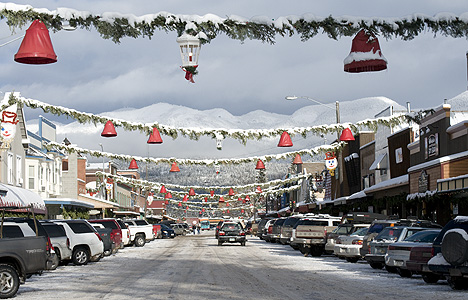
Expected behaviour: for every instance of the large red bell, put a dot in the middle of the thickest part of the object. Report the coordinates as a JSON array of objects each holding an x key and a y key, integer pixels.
[
  {"x": 185, "y": 198},
  {"x": 109, "y": 130},
  {"x": 285, "y": 140},
  {"x": 174, "y": 168},
  {"x": 346, "y": 135},
  {"x": 365, "y": 55},
  {"x": 297, "y": 160},
  {"x": 163, "y": 190},
  {"x": 155, "y": 137},
  {"x": 191, "y": 192},
  {"x": 36, "y": 47},
  {"x": 231, "y": 192},
  {"x": 221, "y": 199},
  {"x": 133, "y": 164},
  {"x": 168, "y": 195},
  {"x": 260, "y": 165},
  {"x": 258, "y": 190}
]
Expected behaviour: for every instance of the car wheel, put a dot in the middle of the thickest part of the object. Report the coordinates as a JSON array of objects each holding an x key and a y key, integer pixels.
[
  {"x": 220, "y": 243},
  {"x": 107, "y": 252},
  {"x": 352, "y": 259},
  {"x": 430, "y": 277},
  {"x": 391, "y": 269},
  {"x": 80, "y": 256},
  {"x": 375, "y": 265},
  {"x": 53, "y": 262},
  {"x": 454, "y": 248},
  {"x": 316, "y": 251},
  {"x": 140, "y": 240},
  {"x": 457, "y": 283},
  {"x": 243, "y": 243},
  {"x": 295, "y": 247},
  {"x": 404, "y": 273},
  {"x": 9, "y": 281}
]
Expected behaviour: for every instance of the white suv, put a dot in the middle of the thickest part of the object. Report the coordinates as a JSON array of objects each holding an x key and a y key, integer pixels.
[{"x": 85, "y": 242}]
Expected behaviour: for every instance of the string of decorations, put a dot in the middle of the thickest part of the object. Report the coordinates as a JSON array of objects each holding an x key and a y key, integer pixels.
[
  {"x": 186, "y": 161},
  {"x": 195, "y": 133},
  {"x": 115, "y": 26}
]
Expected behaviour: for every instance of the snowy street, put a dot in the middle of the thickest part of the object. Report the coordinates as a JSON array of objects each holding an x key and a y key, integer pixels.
[{"x": 194, "y": 267}]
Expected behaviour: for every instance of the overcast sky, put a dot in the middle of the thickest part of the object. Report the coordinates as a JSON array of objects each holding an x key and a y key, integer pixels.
[{"x": 97, "y": 75}]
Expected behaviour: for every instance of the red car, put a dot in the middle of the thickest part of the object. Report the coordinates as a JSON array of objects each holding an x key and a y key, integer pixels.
[
  {"x": 157, "y": 231},
  {"x": 116, "y": 234}
]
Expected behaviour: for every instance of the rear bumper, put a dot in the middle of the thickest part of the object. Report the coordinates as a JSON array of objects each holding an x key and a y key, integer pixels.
[
  {"x": 449, "y": 270},
  {"x": 231, "y": 239},
  {"x": 347, "y": 250},
  {"x": 374, "y": 258}
]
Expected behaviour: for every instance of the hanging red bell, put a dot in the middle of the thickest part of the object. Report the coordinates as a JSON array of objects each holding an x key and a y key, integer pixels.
[
  {"x": 180, "y": 204},
  {"x": 133, "y": 165},
  {"x": 247, "y": 198},
  {"x": 285, "y": 140},
  {"x": 239, "y": 199},
  {"x": 221, "y": 199},
  {"x": 185, "y": 198},
  {"x": 166, "y": 202},
  {"x": 168, "y": 196},
  {"x": 211, "y": 193},
  {"x": 174, "y": 168},
  {"x": 155, "y": 137},
  {"x": 346, "y": 135},
  {"x": 258, "y": 190},
  {"x": 242, "y": 211},
  {"x": 187, "y": 207},
  {"x": 203, "y": 210},
  {"x": 163, "y": 190},
  {"x": 36, "y": 47},
  {"x": 227, "y": 211},
  {"x": 297, "y": 160},
  {"x": 231, "y": 192},
  {"x": 191, "y": 192},
  {"x": 260, "y": 165},
  {"x": 206, "y": 199},
  {"x": 365, "y": 55},
  {"x": 109, "y": 130}
]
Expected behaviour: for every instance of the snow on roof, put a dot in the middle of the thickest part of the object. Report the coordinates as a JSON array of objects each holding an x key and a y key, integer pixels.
[
  {"x": 391, "y": 183},
  {"x": 360, "y": 194},
  {"x": 420, "y": 195},
  {"x": 459, "y": 126},
  {"x": 438, "y": 161},
  {"x": 380, "y": 162}
]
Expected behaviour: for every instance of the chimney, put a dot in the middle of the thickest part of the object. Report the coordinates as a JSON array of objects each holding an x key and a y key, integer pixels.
[{"x": 408, "y": 107}]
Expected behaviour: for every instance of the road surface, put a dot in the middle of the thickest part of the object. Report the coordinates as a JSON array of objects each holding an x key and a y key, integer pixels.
[{"x": 194, "y": 267}]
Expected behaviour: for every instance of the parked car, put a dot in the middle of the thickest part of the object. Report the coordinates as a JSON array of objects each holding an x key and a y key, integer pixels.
[
  {"x": 125, "y": 232},
  {"x": 450, "y": 250},
  {"x": 286, "y": 229},
  {"x": 417, "y": 263},
  {"x": 116, "y": 231},
  {"x": 379, "y": 245},
  {"x": 218, "y": 227},
  {"x": 105, "y": 234},
  {"x": 348, "y": 246},
  {"x": 179, "y": 229},
  {"x": 261, "y": 227},
  {"x": 22, "y": 254},
  {"x": 85, "y": 242},
  {"x": 399, "y": 253},
  {"x": 167, "y": 232},
  {"x": 341, "y": 230},
  {"x": 276, "y": 230},
  {"x": 140, "y": 232},
  {"x": 231, "y": 232},
  {"x": 268, "y": 231},
  {"x": 157, "y": 231},
  {"x": 59, "y": 240}
]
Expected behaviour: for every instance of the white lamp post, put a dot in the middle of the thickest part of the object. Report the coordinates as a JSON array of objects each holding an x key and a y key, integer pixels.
[{"x": 336, "y": 108}]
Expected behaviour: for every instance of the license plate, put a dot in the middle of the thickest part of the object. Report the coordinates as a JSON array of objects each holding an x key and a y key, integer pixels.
[{"x": 232, "y": 239}]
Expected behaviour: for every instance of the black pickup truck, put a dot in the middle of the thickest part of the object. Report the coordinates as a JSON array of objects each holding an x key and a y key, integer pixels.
[{"x": 22, "y": 254}]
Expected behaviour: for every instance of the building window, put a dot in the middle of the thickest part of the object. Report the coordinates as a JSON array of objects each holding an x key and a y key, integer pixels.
[
  {"x": 65, "y": 166},
  {"x": 31, "y": 178},
  {"x": 19, "y": 169},
  {"x": 10, "y": 168}
]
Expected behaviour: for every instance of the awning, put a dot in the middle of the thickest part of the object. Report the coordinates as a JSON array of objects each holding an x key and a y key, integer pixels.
[
  {"x": 68, "y": 201},
  {"x": 380, "y": 163},
  {"x": 17, "y": 196}
]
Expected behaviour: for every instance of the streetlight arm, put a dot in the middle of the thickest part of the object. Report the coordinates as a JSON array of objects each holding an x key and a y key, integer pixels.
[{"x": 310, "y": 99}]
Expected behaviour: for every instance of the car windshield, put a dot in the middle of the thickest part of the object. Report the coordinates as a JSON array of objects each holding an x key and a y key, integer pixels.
[
  {"x": 141, "y": 222},
  {"x": 341, "y": 230},
  {"x": 377, "y": 227},
  {"x": 389, "y": 234},
  {"x": 231, "y": 227},
  {"x": 361, "y": 232},
  {"x": 313, "y": 222},
  {"x": 290, "y": 222},
  {"x": 164, "y": 227},
  {"x": 425, "y": 236}
]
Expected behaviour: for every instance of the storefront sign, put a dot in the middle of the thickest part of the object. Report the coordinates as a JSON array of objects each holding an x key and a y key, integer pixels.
[
  {"x": 432, "y": 145},
  {"x": 423, "y": 182}
]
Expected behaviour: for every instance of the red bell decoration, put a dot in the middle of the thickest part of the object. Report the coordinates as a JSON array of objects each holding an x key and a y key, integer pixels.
[
  {"x": 180, "y": 204},
  {"x": 242, "y": 211},
  {"x": 166, "y": 202},
  {"x": 206, "y": 199},
  {"x": 346, "y": 135},
  {"x": 221, "y": 199},
  {"x": 365, "y": 55},
  {"x": 36, "y": 47},
  {"x": 168, "y": 196},
  {"x": 285, "y": 140},
  {"x": 109, "y": 130},
  {"x": 174, "y": 168},
  {"x": 203, "y": 210},
  {"x": 227, "y": 203},
  {"x": 133, "y": 164},
  {"x": 191, "y": 192},
  {"x": 231, "y": 192},
  {"x": 247, "y": 198},
  {"x": 227, "y": 211},
  {"x": 185, "y": 198},
  {"x": 258, "y": 190},
  {"x": 163, "y": 190},
  {"x": 260, "y": 165},
  {"x": 211, "y": 193},
  {"x": 187, "y": 207},
  {"x": 297, "y": 160},
  {"x": 239, "y": 199},
  {"x": 155, "y": 137}
]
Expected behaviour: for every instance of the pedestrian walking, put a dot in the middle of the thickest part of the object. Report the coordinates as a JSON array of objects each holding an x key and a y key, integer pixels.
[
  {"x": 194, "y": 228},
  {"x": 198, "y": 228}
]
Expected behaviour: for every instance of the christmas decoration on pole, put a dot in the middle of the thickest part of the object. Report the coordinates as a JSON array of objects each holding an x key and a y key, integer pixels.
[
  {"x": 260, "y": 165},
  {"x": 285, "y": 140},
  {"x": 36, "y": 47},
  {"x": 163, "y": 190},
  {"x": 133, "y": 165},
  {"x": 109, "y": 130},
  {"x": 8, "y": 126},
  {"x": 297, "y": 160},
  {"x": 346, "y": 135},
  {"x": 189, "y": 52},
  {"x": 191, "y": 192},
  {"x": 155, "y": 137},
  {"x": 150, "y": 198},
  {"x": 365, "y": 55},
  {"x": 174, "y": 168},
  {"x": 219, "y": 141},
  {"x": 331, "y": 162}
]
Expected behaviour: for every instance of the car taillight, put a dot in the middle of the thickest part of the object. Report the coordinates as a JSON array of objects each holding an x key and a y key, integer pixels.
[
  {"x": 99, "y": 237},
  {"x": 270, "y": 229},
  {"x": 242, "y": 233},
  {"x": 112, "y": 235},
  {"x": 432, "y": 252},
  {"x": 391, "y": 247},
  {"x": 128, "y": 234},
  {"x": 357, "y": 242},
  {"x": 49, "y": 246},
  {"x": 368, "y": 249},
  {"x": 221, "y": 233}
]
